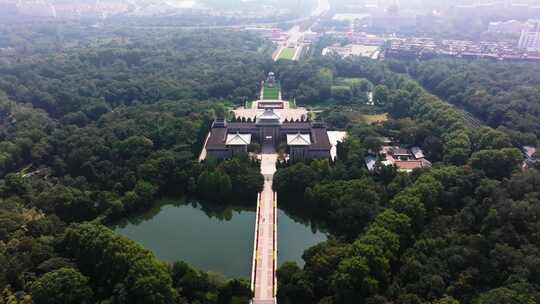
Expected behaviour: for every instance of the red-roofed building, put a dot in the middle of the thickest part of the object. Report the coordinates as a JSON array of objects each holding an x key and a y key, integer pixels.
[{"x": 410, "y": 165}]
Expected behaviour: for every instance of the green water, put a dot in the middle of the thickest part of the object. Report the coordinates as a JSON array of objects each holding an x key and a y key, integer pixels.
[
  {"x": 294, "y": 237},
  {"x": 211, "y": 239}
]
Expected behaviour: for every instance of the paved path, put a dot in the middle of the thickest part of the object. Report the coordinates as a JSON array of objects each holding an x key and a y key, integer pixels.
[
  {"x": 298, "y": 52},
  {"x": 202, "y": 156},
  {"x": 276, "y": 53},
  {"x": 265, "y": 245}
]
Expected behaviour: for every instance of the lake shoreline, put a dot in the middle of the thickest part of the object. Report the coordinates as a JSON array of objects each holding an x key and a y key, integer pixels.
[{"x": 211, "y": 237}]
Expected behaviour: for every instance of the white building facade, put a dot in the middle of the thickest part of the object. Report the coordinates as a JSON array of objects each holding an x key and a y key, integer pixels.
[{"x": 530, "y": 38}]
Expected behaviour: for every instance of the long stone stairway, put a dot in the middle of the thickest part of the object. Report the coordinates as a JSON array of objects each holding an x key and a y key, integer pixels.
[{"x": 263, "y": 277}]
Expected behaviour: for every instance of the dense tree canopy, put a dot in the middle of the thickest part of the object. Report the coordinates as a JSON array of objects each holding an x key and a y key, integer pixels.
[
  {"x": 450, "y": 233},
  {"x": 461, "y": 232},
  {"x": 94, "y": 131},
  {"x": 65, "y": 285},
  {"x": 98, "y": 130},
  {"x": 503, "y": 95},
  {"x": 117, "y": 266}
]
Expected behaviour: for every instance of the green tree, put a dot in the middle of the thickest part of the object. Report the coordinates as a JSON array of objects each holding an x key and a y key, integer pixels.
[
  {"x": 497, "y": 164},
  {"x": 381, "y": 95},
  {"x": 293, "y": 180},
  {"x": 351, "y": 281},
  {"x": 399, "y": 103},
  {"x": 113, "y": 261},
  {"x": 457, "y": 148},
  {"x": 493, "y": 139},
  {"x": 505, "y": 295},
  {"x": 235, "y": 292},
  {"x": 293, "y": 285},
  {"x": 62, "y": 286},
  {"x": 446, "y": 300}
]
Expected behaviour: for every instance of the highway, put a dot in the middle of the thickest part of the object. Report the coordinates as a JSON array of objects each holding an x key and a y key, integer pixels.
[
  {"x": 322, "y": 7},
  {"x": 295, "y": 34}
]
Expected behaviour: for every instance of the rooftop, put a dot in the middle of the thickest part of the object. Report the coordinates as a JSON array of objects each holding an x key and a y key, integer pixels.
[
  {"x": 320, "y": 139},
  {"x": 268, "y": 117},
  {"x": 298, "y": 139},
  {"x": 417, "y": 152},
  {"x": 238, "y": 139},
  {"x": 398, "y": 151},
  {"x": 313, "y": 135},
  {"x": 217, "y": 138},
  {"x": 410, "y": 165},
  {"x": 371, "y": 161},
  {"x": 529, "y": 151}
]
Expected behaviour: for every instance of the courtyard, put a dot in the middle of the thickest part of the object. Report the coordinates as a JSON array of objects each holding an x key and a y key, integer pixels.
[
  {"x": 271, "y": 93},
  {"x": 287, "y": 113},
  {"x": 287, "y": 53}
]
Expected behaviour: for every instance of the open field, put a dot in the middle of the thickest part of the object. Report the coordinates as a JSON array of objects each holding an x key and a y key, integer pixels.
[
  {"x": 339, "y": 87},
  {"x": 287, "y": 53},
  {"x": 351, "y": 82},
  {"x": 362, "y": 117},
  {"x": 347, "y": 81},
  {"x": 271, "y": 93},
  {"x": 375, "y": 118}
]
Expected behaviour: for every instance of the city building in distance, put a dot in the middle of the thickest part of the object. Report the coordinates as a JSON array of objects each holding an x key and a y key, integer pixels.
[{"x": 530, "y": 37}]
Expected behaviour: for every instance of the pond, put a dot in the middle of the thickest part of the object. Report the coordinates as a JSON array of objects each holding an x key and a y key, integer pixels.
[{"x": 213, "y": 239}]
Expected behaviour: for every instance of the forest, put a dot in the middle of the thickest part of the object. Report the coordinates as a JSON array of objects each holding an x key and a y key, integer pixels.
[
  {"x": 460, "y": 232},
  {"x": 503, "y": 95},
  {"x": 90, "y": 135},
  {"x": 101, "y": 125}
]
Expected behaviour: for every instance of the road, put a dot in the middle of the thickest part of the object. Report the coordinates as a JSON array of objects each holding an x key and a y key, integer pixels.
[
  {"x": 219, "y": 27},
  {"x": 296, "y": 35},
  {"x": 265, "y": 248},
  {"x": 323, "y": 6}
]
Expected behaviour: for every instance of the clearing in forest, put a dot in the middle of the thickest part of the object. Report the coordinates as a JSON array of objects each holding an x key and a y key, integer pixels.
[
  {"x": 361, "y": 117},
  {"x": 375, "y": 118}
]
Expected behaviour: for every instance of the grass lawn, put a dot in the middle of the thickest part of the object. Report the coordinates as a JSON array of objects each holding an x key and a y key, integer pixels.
[
  {"x": 338, "y": 87},
  {"x": 359, "y": 116},
  {"x": 271, "y": 93},
  {"x": 375, "y": 118},
  {"x": 336, "y": 90},
  {"x": 287, "y": 53},
  {"x": 350, "y": 82},
  {"x": 346, "y": 81}
]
